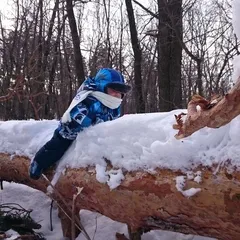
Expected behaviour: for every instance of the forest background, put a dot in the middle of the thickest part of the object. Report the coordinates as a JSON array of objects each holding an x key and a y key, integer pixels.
[{"x": 167, "y": 50}]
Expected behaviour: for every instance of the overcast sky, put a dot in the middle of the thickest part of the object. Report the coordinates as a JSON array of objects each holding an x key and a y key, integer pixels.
[{"x": 5, "y": 11}]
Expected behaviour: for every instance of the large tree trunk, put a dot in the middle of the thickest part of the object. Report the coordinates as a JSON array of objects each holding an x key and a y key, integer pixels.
[
  {"x": 138, "y": 92},
  {"x": 79, "y": 66},
  {"x": 148, "y": 201},
  {"x": 169, "y": 54}
]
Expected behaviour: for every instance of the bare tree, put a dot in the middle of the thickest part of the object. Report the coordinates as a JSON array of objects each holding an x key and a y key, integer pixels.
[
  {"x": 169, "y": 49},
  {"x": 52, "y": 45},
  {"x": 138, "y": 93},
  {"x": 76, "y": 42}
]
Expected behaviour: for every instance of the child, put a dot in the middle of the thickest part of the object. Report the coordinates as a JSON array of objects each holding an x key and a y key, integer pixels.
[{"x": 97, "y": 100}]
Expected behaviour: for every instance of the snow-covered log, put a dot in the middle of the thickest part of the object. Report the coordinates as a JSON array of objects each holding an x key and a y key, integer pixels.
[
  {"x": 147, "y": 201},
  {"x": 213, "y": 114}
]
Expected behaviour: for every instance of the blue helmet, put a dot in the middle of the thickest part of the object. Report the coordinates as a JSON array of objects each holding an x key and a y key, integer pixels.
[
  {"x": 106, "y": 78},
  {"x": 110, "y": 78}
]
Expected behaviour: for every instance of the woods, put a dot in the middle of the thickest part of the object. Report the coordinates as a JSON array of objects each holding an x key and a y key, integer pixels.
[
  {"x": 175, "y": 54},
  {"x": 167, "y": 50}
]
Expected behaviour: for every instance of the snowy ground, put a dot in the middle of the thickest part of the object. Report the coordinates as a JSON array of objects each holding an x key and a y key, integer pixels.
[{"x": 97, "y": 225}]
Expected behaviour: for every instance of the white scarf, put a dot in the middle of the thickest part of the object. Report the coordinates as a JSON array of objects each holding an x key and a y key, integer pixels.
[{"x": 106, "y": 99}]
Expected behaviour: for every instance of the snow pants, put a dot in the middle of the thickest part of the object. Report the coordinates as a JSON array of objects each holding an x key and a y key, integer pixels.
[{"x": 52, "y": 151}]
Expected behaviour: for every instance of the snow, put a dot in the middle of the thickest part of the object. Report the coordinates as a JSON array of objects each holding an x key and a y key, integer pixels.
[
  {"x": 96, "y": 225},
  {"x": 180, "y": 184},
  {"x": 198, "y": 177},
  {"x": 133, "y": 142},
  {"x": 113, "y": 177},
  {"x": 30, "y": 198}
]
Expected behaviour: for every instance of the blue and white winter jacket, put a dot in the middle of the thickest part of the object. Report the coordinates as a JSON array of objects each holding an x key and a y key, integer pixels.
[
  {"x": 88, "y": 112},
  {"x": 85, "y": 109}
]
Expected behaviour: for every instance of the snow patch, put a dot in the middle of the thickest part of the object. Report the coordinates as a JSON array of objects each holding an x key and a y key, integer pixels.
[
  {"x": 181, "y": 183},
  {"x": 112, "y": 177}
]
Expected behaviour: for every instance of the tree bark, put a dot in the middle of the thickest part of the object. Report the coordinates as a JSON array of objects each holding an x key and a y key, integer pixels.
[
  {"x": 169, "y": 54},
  {"x": 79, "y": 68},
  {"x": 213, "y": 114},
  {"x": 148, "y": 201},
  {"x": 138, "y": 92}
]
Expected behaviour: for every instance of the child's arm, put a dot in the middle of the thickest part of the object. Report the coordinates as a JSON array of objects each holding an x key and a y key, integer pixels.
[
  {"x": 64, "y": 135},
  {"x": 82, "y": 116}
]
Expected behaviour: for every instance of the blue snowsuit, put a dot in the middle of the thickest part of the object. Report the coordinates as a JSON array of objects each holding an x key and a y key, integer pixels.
[{"x": 86, "y": 112}]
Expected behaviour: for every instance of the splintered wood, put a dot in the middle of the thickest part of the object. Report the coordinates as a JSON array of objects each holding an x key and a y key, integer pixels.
[{"x": 214, "y": 113}]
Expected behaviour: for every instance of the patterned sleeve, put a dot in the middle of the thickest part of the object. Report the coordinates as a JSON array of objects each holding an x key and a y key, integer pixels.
[
  {"x": 80, "y": 114},
  {"x": 81, "y": 118}
]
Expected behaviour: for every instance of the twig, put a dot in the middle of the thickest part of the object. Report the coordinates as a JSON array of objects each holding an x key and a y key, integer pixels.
[
  {"x": 95, "y": 229},
  {"x": 78, "y": 223},
  {"x": 13, "y": 91},
  {"x": 51, "y": 225},
  {"x": 79, "y": 190}
]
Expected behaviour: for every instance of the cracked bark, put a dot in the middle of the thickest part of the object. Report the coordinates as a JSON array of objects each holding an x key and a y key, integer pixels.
[{"x": 211, "y": 115}]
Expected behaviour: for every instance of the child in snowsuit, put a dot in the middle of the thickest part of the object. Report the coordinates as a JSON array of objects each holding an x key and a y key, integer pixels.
[{"x": 97, "y": 100}]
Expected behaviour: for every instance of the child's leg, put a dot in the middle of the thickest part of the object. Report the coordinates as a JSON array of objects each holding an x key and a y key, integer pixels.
[{"x": 49, "y": 154}]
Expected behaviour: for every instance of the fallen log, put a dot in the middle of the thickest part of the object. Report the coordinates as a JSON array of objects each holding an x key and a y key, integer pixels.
[
  {"x": 213, "y": 113},
  {"x": 147, "y": 201}
]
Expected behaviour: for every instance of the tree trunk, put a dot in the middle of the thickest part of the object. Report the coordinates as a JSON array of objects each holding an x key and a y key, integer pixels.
[
  {"x": 147, "y": 201},
  {"x": 79, "y": 68},
  {"x": 169, "y": 54},
  {"x": 138, "y": 92}
]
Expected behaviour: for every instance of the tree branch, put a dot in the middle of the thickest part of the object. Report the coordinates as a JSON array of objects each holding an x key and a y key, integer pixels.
[
  {"x": 147, "y": 10},
  {"x": 214, "y": 113}
]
